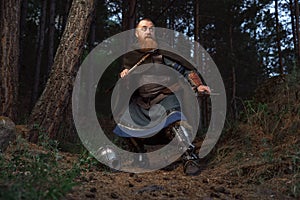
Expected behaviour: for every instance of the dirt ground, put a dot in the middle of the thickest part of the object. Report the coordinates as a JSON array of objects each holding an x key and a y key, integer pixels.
[
  {"x": 217, "y": 181},
  {"x": 257, "y": 159},
  {"x": 230, "y": 172}
]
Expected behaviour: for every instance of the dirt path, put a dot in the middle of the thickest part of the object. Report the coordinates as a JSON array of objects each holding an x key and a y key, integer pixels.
[{"x": 212, "y": 183}]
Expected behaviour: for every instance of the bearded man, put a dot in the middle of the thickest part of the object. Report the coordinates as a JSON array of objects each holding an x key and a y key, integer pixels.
[{"x": 144, "y": 99}]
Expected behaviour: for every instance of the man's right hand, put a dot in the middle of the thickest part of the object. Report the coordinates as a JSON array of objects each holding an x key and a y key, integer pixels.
[{"x": 124, "y": 73}]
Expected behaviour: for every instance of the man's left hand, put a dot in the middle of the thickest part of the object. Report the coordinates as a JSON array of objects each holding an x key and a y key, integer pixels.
[{"x": 203, "y": 89}]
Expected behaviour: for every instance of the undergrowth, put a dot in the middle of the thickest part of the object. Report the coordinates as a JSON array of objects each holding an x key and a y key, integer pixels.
[
  {"x": 263, "y": 145},
  {"x": 27, "y": 173}
]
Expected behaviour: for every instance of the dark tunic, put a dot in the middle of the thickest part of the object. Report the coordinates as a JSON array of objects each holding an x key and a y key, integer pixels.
[{"x": 153, "y": 106}]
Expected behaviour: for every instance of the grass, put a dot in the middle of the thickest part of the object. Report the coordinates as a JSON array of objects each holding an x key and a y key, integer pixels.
[{"x": 27, "y": 173}]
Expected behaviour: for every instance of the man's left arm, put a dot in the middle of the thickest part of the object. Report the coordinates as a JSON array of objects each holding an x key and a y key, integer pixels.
[
  {"x": 191, "y": 75},
  {"x": 196, "y": 82}
]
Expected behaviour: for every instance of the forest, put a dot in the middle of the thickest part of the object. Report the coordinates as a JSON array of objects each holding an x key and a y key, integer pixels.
[{"x": 255, "y": 46}]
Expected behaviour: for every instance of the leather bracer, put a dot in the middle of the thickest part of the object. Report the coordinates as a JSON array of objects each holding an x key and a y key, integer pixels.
[{"x": 194, "y": 79}]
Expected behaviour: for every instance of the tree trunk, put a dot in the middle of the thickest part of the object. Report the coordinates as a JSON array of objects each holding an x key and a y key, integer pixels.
[
  {"x": 297, "y": 30},
  {"x": 233, "y": 75},
  {"x": 128, "y": 18},
  {"x": 65, "y": 14},
  {"x": 278, "y": 39},
  {"x": 24, "y": 10},
  {"x": 196, "y": 29},
  {"x": 51, "y": 35},
  {"x": 40, "y": 48},
  {"x": 93, "y": 30},
  {"x": 292, "y": 9},
  {"x": 10, "y": 12},
  {"x": 197, "y": 21},
  {"x": 159, "y": 16},
  {"x": 48, "y": 112},
  {"x": 129, "y": 14},
  {"x": 204, "y": 101}
]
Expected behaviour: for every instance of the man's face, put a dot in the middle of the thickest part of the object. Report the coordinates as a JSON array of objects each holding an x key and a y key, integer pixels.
[
  {"x": 145, "y": 30},
  {"x": 145, "y": 34}
]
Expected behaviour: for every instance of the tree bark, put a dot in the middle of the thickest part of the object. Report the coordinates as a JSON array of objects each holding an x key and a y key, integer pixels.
[
  {"x": 48, "y": 112},
  {"x": 9, "y": 55}
]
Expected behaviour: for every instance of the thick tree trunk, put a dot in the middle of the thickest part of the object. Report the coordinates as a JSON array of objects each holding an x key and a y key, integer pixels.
[
  {"x": 51, "y": 107},
  {"x": 10, "y": 12}
]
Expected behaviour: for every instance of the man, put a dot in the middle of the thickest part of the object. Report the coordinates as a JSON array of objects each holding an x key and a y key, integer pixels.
[{"x": 147, "y": 51}]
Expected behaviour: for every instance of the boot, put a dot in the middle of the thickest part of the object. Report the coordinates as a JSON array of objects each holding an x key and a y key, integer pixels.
[
  {"x": 191, "y": 165},
  {"x": 190, "y": 159}
]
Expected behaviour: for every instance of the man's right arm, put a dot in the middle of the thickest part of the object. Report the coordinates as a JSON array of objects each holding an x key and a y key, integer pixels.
[{"x": 128, "y": 60}]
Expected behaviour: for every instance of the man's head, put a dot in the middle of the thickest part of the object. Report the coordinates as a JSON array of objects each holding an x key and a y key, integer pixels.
[{"x": 145, "y": 33}]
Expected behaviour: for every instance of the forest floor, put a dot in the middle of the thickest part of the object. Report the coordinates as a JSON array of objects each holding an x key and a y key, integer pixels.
[
  {"x": 256, "y": 158},
  {"x": 225, "y": 179}
]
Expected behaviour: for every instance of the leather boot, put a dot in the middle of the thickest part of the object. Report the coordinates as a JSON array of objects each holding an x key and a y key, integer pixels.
[{"x": 191, "y": 165}]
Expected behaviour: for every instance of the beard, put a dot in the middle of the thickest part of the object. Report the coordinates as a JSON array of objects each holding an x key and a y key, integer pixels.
[{"x": 147, "y": 44}]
